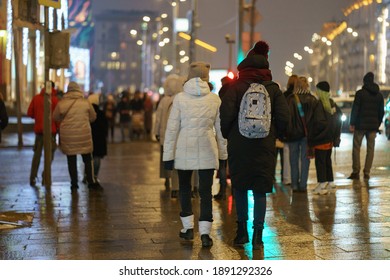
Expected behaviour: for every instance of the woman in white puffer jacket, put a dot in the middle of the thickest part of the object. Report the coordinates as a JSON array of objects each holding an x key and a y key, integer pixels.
[{"x": 193, "y": 141}]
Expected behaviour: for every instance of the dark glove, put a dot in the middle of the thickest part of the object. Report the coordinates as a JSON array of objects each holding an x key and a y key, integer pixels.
[
  {"x": 157, "y": 137},
  {"x": 222, "y": 163},
  {"x": 336, "y": 142},
  {"x": 168, "y": 165}
]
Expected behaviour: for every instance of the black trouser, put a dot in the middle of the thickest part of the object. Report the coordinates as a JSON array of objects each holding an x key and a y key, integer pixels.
[
  {"x": 323, "y": 161},
  {"x": 259, "y": 208},
  {"x": 185, "y": 193},
  {"x": 72, "y": 167}
]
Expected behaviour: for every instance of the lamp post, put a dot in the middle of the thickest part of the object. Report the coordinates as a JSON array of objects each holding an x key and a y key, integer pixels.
[
  {"x": 194, "y": 15},
  {"x": 144, "y": 52},
  {"x": 175, "y": 14},
  {"x": 230, "y": 42}
]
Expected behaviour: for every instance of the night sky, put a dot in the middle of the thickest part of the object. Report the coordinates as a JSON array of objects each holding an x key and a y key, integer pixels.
[{"x": 287, "y": 25}]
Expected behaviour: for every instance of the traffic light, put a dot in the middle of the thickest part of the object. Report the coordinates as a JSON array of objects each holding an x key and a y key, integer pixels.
[
  {"x": 231, "y": 75},
  {"x": 59, "y": 49}
]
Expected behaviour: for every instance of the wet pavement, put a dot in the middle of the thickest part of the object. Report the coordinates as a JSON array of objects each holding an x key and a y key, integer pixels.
[{"x": 135, "y": 218}]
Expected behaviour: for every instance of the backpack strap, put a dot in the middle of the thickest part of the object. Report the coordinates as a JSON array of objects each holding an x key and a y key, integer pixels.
[{"x": 301, "y": 112}]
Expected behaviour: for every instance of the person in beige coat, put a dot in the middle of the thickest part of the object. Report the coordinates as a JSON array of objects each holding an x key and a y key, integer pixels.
[
  {"x": 75, "y": 114},
  {"x": 193, "y": 141},
  {"x": 172, "y": 85}
]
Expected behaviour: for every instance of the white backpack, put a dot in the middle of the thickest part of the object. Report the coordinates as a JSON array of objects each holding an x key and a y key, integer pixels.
[{"x": 254, "y": 118}]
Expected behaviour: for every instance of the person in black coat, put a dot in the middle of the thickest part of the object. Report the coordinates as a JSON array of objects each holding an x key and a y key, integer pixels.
[
  {"x": 123, "y": 109},
  {"x": 301, "y": 105},
  {"x": 222, "y": 171},
  {"x": 285, "y": 154},
  {"x": 3, "y": 115},
  {"x": 323, "y": 136},
  {"x": 252, "y": 161},
  {"x": 99, "y": 134},
  {"x": 366, "y": 117}
]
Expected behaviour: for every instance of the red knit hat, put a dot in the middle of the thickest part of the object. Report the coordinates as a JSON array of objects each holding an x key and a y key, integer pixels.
[{"x": 260, "y": 48}]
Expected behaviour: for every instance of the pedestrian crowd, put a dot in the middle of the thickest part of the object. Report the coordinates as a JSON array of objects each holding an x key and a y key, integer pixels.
[{"x": 236, "y": 134}]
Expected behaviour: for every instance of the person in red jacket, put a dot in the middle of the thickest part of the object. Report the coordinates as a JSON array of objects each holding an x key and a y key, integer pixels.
[{"x": 35, "y": 111}]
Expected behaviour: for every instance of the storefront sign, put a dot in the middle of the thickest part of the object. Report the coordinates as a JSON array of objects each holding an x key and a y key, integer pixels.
[{"x": 51, "y": 3}]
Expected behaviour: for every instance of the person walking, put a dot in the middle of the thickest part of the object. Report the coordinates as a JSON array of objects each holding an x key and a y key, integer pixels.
[
  {"x": 3, "y": 115},
  {"x": 252, "y": 161},
  {"x": 137, "y": 115},
  {"x": 301, "y": 105},
  {"x": 75, "y": 114},
  {"x": 286, "y": 176},
  {"x": 35, "y": 111},
  {"x": 222, "y": 171},
  {"x": 99, "y": 134},
  {"x": 109, "y": 109},
  {"x": 366, "y": 117},
  {"x": 172, "y": 85},
  {"x": 193, "y": 141},
  {"x": 323, "y": 136},
  {"x": 148, "y": 116},
  {"x": 124, "y": 115}
]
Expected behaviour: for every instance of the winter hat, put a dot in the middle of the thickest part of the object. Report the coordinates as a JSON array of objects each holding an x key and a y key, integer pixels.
[
  {"x": 324, "y": 96},
  {"x": 73, "y": 86},
  {"x": 260, "y": 48},
  {"x": 368, "y": 78},
  {"x": 173, "y": 84},
  {"x": 94, "y": 98},
  {"x": 324, "y": 86},
  {"x": 199, "y": 69}
]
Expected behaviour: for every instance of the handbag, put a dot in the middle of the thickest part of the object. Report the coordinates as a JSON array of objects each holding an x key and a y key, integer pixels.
[{"x": 59, "y": 132}]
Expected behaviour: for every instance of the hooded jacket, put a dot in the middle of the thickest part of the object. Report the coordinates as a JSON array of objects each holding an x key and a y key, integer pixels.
[
  {"x": 193, "y": 137},
  {"x": 75, "y": 128},
  {"x": 368, "y": 106}
]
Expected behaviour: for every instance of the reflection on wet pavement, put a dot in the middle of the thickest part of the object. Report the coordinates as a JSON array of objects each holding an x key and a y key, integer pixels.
[{"x": 135, "y": 218}]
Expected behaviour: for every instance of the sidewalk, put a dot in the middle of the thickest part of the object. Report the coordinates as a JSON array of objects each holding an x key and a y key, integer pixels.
[{"x": 135, "y": 218}]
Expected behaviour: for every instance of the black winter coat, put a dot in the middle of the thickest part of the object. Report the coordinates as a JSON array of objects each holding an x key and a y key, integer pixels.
[
  {"x": 325, "y": 127},
  {"x": 3, "y": 117},
  {"x": 296, "y": 130},
  {"x": 368, "y": 108},
  {"x": 99, "y": 133},
  {"x": 252, "y": 161}
]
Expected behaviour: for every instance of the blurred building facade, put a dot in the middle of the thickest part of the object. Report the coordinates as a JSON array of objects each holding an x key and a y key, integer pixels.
[
  {"x": 22, "y": 49},
  {"x": 344, "y": 51}
]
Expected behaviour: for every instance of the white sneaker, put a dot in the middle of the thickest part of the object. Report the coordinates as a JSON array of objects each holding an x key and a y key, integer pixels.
[
  {"x": 331, "y": 185},
  {"x": 321, "y": 188}
]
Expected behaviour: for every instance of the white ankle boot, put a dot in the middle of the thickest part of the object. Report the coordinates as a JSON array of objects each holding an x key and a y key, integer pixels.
[
  {"x": 204, "y": 227},
  {"x": 321, "y": 188},
  {"x": 187, "y": 232},
  {"x": 331, "y": 185},
  {"x": 204, "y": 231}
]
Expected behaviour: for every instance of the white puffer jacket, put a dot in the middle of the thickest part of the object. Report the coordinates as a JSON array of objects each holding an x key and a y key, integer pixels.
[
  {"x": 75, "y": 128},
  {"x": 193, "y": 138}
]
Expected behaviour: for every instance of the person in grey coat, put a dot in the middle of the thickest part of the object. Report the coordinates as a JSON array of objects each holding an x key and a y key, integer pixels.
[{"x": 75, "y": 113}]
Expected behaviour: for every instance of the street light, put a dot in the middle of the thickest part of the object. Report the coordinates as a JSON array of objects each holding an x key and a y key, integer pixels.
[{"x": 230, "y": 42}]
